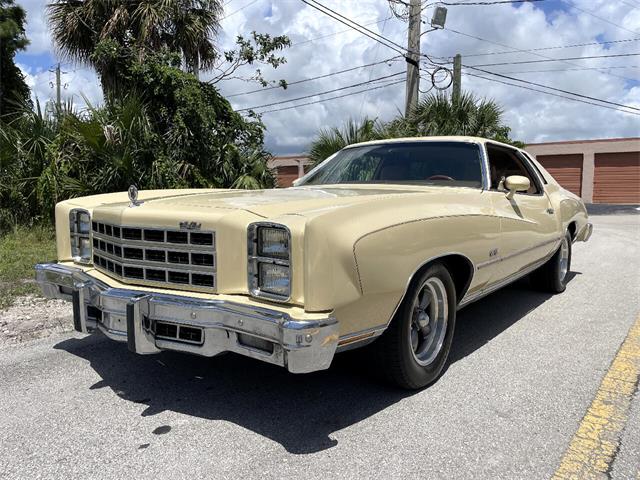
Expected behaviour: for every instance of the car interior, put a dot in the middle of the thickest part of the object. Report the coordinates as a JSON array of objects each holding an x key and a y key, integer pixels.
[{"x": 504, "y": 162}]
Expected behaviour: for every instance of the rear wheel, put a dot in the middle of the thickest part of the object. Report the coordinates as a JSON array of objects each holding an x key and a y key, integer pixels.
[
  {"x": 552, "y": 276},
  {"x": 415, "y": 347}
]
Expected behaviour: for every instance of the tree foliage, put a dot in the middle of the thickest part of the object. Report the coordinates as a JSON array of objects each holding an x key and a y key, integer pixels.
[
  {"x": 13, "y": 89},
  {"x": 172, "y": 131},
  {"x": 112, "y": 35},
  {"x": 436, "y": 114},
  {"x": 119, "y": 27}
]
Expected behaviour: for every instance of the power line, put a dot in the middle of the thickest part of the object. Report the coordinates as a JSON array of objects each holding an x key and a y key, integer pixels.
[
  {"x": 333, "y": 98},
  {"x": 312, "y": 78},
  {"x": 321, "y": 93},
  {"x": 558, "y": 59},
  {"x": 598, "y": 17},
  {"x": 572, "y": 69},
  {"x": 356, "y": 26},
  {"x": 553, "y": 88},
  {"x": 608, "y": 42},
  {"x": 498, "y": 2},
  {"x": 297, "y": 44},
  {"x": 238, "y": 10},
  {"x": 548, "y": 93},
  {"x": 524, "y": 51}
]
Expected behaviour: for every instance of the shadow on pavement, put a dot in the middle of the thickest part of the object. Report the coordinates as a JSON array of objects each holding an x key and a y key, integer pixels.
[{"x": 298, "y": 411}]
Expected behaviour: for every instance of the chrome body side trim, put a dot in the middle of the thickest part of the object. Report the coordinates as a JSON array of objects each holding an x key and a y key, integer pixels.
[
  {"x": 504, "y": 282},
  {"x": 133, "y": 317},
  {"x": 515, "y": 254}
]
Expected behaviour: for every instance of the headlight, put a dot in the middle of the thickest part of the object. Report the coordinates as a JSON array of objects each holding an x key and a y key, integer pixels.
[
  {"x": 274, "y": 278},
  {"x": 273, "y": 242},
  {"x": 79, "y": 228},
  {"x": 269, "y": 261}
]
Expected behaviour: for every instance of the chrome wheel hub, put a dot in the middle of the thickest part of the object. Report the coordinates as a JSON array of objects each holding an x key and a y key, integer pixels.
[
  {"x": 428, "y": 321},
  {"x": 564, "y": 258}
]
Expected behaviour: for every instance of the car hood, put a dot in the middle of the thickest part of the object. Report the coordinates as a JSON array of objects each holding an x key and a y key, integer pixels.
[{"x": 306, "y": 201}]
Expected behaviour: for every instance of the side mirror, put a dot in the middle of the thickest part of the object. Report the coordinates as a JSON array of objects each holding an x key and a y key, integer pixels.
[{"x": 516, "y": 183}]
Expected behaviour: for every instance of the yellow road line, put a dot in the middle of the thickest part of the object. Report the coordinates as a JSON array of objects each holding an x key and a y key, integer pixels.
[{"x": 594, "y": 446}]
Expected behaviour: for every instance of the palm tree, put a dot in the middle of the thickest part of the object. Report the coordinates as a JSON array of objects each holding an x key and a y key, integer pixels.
[
  {"x": 100, "y": 32},
  {"x": 330, "y": 140},
  {"x": 439, "y": 114}
]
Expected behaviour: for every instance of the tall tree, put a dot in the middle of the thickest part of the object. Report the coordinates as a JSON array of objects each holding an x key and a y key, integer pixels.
[
  {"x": 110, "y": 35},
  {"x": 104, "y": 33},
  {"x": 330, "y": 140},
  {"x": 13, "y": 89},
  {"x": 439, "y": 114}
]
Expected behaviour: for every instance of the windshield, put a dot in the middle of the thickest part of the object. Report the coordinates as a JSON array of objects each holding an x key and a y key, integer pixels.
[{"x": 437, "y": 163}]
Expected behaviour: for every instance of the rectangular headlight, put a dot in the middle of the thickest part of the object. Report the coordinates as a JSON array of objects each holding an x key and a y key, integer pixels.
[
  {"x": 273, "y": 242},
  {"x": 275, "y": 279},
  {"x": 269, "y": 261},
  {"x": 79, "y": 228}
]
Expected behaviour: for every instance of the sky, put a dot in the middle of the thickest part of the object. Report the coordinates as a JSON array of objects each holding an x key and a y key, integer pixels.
[{"x": 480, "y": 33}]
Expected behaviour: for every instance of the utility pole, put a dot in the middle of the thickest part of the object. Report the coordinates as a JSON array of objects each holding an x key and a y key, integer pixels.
[
  {"x": 58, "y": 87},
  {"x": 457, "y": 77},
  {"x": 413, "y": 56}
]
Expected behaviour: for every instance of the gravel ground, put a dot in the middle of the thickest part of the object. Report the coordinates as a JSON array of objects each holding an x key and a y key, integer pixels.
[
  {"x": 523, "y": 370},
  {"x": 32, "y": 317}
]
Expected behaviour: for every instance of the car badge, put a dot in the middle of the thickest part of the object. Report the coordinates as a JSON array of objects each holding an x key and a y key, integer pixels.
[
  {"x": 133, "y": 196},
  {"x": 190, "y": 225}
]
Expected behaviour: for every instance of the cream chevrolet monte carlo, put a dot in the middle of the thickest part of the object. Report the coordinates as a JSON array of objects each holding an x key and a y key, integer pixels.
[{"x": 383, "y": 242}]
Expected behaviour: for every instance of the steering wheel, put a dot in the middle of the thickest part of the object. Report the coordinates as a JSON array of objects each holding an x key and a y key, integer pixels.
[{"x": 441, "y": 177}]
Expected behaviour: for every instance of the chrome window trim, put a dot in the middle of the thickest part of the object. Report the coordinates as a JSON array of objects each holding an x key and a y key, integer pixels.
[
  {"x": 527, "y": 165},
  {"x": 300, "y": 182},
  {"x": 254, "y": 259},
  {"x": 484, "y": 162},
  {"x": 73, "y": 217}
]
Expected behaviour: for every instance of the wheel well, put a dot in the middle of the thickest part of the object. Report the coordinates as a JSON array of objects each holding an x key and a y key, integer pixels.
[
  {"x": 572, "y": 229},
  {"x": 460, "y": 268}
]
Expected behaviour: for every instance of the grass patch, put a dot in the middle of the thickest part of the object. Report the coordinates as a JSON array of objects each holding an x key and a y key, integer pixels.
[{"x": 20, "y": 250}]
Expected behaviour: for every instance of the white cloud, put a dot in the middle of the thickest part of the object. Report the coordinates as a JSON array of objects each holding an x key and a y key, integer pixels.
[
  {"x": 76, "y": 84},
  {"x": 533, "y": 116}
]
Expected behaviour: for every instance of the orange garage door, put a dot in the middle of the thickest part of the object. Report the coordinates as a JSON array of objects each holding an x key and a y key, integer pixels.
[
  {"x": 617, "y": 178},
  {"x": 286, "y": 175},
  {"x": 566, "y": 169}
]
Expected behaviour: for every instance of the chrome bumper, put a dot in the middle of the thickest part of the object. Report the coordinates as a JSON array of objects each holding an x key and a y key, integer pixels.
[
  {"x": 585, "y": 233},
  {"x": 150, "y": 322}
]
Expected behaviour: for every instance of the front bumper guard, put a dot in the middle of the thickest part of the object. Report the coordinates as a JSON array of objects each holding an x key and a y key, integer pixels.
[{"x": 150, "y": 322}]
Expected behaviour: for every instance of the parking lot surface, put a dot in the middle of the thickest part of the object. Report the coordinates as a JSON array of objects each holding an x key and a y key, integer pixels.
[{"x": 525, "y": 368}]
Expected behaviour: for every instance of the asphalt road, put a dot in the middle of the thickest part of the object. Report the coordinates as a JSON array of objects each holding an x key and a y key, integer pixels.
[{"x": 525, "y": 367}]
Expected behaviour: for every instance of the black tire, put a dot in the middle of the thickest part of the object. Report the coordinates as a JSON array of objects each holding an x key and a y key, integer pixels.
[
  {"x": 549, "y": 277},
  {"x": 394, "y": 348}
]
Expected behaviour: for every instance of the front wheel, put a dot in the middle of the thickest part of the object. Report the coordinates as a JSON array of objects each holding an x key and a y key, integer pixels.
[
  {"x": 552, "y": 276},
  {"x": 415, "y": 347}
]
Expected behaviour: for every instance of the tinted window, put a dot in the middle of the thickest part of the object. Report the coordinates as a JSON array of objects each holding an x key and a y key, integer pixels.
[{"x": 438, "y": 163}]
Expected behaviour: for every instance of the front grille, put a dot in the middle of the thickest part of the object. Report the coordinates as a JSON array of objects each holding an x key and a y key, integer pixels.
[{"x": 155, "y": 256}]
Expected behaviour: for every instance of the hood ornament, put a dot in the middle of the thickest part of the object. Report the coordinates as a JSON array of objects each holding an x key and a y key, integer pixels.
[{"x": 133, "y": 196}]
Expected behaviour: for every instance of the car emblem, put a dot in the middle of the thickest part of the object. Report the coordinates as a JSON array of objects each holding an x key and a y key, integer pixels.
[
  {"x": 133, "y": 196},
  {"x": 190, "y": 225}
]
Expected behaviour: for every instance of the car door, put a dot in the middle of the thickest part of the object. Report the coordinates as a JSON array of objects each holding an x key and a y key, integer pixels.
[{"x": 528, "y": 224}]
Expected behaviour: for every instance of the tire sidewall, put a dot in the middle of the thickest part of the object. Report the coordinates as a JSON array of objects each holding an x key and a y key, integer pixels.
[
  {"x": 417, "y": 374},
  {"x": 561, "y": 284}
]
